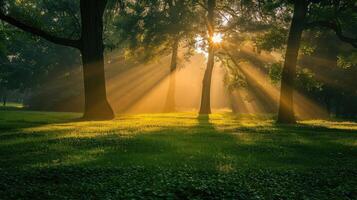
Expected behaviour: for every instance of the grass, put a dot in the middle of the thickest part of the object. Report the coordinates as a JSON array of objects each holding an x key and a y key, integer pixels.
[
  {"x": 11, "y": 106},
  {"x": 175, "y": 156}
]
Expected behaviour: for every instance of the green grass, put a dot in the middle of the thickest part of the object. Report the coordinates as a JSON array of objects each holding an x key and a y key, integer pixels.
[
  {"x": 175, "y": 156},
  {"x": 11, "y": 106},
  {"x": 14, "y": 104}
]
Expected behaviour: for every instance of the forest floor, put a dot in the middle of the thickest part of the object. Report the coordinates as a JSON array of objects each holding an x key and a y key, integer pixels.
[{"x": 175, "y": 156}]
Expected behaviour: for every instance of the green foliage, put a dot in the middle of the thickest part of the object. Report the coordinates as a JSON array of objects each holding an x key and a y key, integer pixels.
[
  {"x": 24, "y": 67},
  {"x": 139, "y": 183},
  {"x": 275, "y": 71},
  {"x": 332, "y": 63},
  {"x": 342, "y": 12},
  {"x": 233, "y": 77},
  {"x": 274, "y": 39},
  {"x": 306, "y": 80},
  {"x": 151, "y": 27},
  {"x": 60, "y": 17},
  {"x": 306, "y": 49},
  {"x": 347, "y": 61}
]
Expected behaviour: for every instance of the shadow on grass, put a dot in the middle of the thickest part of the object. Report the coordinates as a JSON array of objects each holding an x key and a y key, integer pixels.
[
  {"x": 202, "y": 146},
  {"x": 131, "y": 157},
  {"x": 203, "y": 122},
  {"x": 15, "y": 121}
]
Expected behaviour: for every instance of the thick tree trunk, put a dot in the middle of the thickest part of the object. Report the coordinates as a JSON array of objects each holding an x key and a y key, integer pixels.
[
  {"x": 170, "y": 100},
  {"x": 206, "y": 83},
  {"x": 96, "y": 103},
  {"x": 286, "y": 106}
]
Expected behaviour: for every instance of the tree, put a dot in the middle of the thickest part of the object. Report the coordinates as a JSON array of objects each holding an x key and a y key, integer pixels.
[
  {"x": 90, "y": 44},
  {"x": 298, "y": 24},
  {"x": 164, "y": 25},
  {"x": 4, "y": 77},
  {"x": 205, "y": 107},
  {"x": 28, "y": 74},
  {"x": 286, "y": 108},
  {"x": 170, "y": 99},
  {"x": 180, "y": 20},
  {"x": 306, "y": 14},
  {"x": 333, "y": 66}
]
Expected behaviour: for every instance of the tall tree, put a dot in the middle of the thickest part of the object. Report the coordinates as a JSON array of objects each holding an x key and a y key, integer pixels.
[
  {"x": 286, "y": 108},
  {"x": 157, "y": 28},
  {"x": 90, "y": 44},
  {"x": 170, "y": 99},
  {"x": 205, "y": 107},
  {"x": 336, "y": 11}
]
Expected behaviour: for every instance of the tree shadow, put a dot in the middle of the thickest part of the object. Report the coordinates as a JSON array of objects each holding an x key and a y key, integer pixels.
[
  {"x": 204, "y": 122},
  {"x": 203, "y": 146},
  {"x": 172, "y": 155}
]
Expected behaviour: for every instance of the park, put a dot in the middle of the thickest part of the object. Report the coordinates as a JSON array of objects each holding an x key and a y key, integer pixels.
[{"x": 178, "y": 99}]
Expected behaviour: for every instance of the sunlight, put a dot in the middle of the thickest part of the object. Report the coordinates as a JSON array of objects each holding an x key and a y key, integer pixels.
[
  {"x": 187, "y": 79},
  {"x": 265, "y": 93},
  {"x": 178, "y": 99},
  {"x": 217, "y": 38},
  {"x": 225, "y": 19},
  {"x": 200, "y": 46}
]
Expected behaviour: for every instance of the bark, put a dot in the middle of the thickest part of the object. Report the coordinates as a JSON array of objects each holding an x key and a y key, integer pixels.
[
  {"x": 286, "y": 106},
  {"x": 96, "y": 103},
  {"x": 206, "y": 84},
  {"x": 170, "y": 100},
  {"x": 207, "y": 79}
]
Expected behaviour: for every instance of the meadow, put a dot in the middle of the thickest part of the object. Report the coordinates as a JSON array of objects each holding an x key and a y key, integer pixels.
[{"x": 47, "y": 155}]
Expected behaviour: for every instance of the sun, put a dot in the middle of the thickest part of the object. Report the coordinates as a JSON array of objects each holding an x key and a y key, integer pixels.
[
  {"x": 217, "y": 38},
  {"x": 201, "y": 47}
]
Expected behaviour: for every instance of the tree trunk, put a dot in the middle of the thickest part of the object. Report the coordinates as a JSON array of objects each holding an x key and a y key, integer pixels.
[
  {"x": 3, "y": 96},
  {"x": 91, "y": 46},
  {"x": 286, "y": 106},
  {"x": 206, "y": 83},
  {"x": 96, "y": 103},
  {"x": 4, "y": 100},
  {"x": 170, "y": 100}
]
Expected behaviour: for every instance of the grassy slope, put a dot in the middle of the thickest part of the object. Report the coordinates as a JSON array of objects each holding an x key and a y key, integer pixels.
[{"x": 49, "y": 155}]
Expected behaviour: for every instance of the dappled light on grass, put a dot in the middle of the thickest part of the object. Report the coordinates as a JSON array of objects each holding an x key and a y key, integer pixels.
[
  {"x": 222, "y": 141},
  {"x": 342, "y": 125},
  {"x": 176, "y": 152}
]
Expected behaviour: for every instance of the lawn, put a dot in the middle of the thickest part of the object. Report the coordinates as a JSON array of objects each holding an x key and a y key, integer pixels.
[
  {"x": 11, "y": 106},
  {"x": 175, "y": 156}
]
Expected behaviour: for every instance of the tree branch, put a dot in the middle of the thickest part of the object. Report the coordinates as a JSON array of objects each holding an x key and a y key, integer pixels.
[
  {"x": 39, "y": 32},
  {"x": 336, "y": 28}
]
